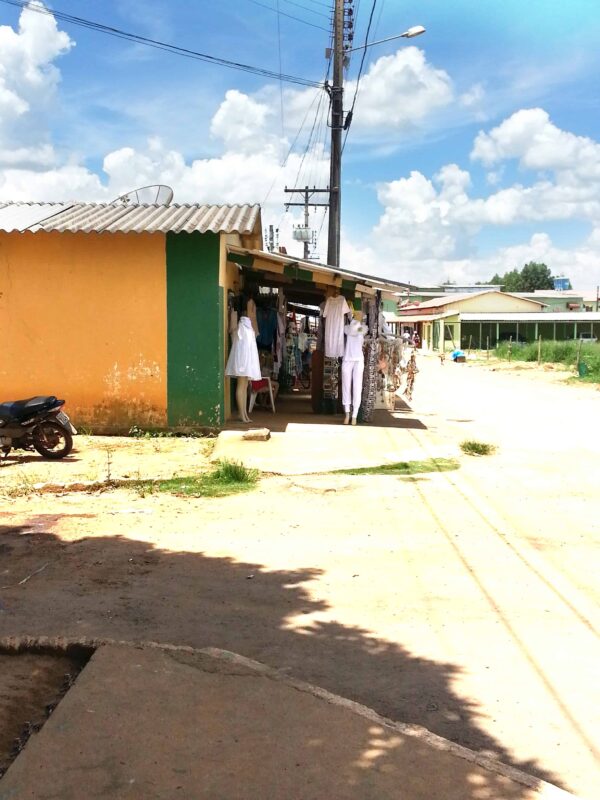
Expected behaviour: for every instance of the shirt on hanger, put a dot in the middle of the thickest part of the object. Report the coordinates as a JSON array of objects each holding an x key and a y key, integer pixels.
[{"x": 334, "y": 311}]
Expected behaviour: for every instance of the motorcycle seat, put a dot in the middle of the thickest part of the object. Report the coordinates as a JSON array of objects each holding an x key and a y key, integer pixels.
[{"x": 21, "y": 409}]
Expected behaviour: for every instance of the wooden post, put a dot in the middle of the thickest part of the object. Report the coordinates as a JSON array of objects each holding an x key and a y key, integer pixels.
[
  {"x": 539, "y": 349},
  {"x": 487, "y": 346},
  {"x": 510, "y": 349},
  {"x": 470, "y": 343}
]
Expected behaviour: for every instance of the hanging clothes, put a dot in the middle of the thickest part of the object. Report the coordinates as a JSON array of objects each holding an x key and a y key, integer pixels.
[
  {"x": 321, "y": 329},
  {"x": 243, "y": 361},
  {"x": 335, "y": 308},
  {"x": 267, "y": 327},
  {"x": 279, "y": 348}
]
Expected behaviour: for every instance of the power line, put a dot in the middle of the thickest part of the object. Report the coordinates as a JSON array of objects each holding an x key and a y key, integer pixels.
[
  {"x": 169, "y": 48},
  {"x": 315, "y": 120},
  {"x": 307, "y": 8},
  {"x": 328, "y": 6},
  {"x": 290, "y": 16},
  {"x": 293, "y": 144},
  {"x": 358, "y": 77}
]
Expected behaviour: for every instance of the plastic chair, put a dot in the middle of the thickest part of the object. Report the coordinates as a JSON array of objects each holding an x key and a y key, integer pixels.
[{"x": 263, "y": 386}]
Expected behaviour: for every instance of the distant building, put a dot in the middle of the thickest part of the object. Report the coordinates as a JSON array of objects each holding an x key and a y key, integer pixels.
[
  {"x": 557, "y": 299},
  {"x": 485, "y": 318}
]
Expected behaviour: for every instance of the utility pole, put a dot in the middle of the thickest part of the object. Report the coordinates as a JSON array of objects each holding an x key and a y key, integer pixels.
[
  {"x": 305, "y": 234},
  {"x": 336, "y": 93}
]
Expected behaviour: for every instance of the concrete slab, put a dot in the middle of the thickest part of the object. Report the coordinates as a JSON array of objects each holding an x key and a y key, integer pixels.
[
  {"x": 144, "y": 723},
  {"x": 305, "y": 448}
]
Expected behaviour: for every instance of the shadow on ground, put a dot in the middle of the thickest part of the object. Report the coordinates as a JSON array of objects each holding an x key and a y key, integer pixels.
[
  {"x": 129, "y": 590},
  {"x": 296, "y": 409}
]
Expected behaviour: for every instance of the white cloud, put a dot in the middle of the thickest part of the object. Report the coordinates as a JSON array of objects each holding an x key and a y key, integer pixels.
[
  {"x": 28, "y": 81},
  {"x": 245, "y": 125},
  {"x": 400, "y": 91},
  {"x": 473, "y": 96},
  {"x": 428, "y": 225},
  {"x": 530, "y": 137}
]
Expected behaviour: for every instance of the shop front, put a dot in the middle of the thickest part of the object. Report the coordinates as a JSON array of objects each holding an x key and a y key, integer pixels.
[{"x": 322, "y": 341}]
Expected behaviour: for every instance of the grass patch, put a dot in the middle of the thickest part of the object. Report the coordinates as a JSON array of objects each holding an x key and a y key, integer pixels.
[
  {"x": 557, "y": 353},
  {"x": 135, "y": 432},
  {"x": 405, "y": 467},
  {"x": 474, "y": 448},
  {"x": 228, "y": 477}
]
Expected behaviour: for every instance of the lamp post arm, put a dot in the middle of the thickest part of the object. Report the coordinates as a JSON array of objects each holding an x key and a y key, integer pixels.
[{"x": 405, "y": 35}]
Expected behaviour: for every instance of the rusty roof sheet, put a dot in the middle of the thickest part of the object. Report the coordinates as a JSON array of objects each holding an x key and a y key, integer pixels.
[{"x": 121, "y": 218}]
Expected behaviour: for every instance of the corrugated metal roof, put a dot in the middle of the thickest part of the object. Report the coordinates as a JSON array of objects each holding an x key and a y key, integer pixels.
[
  {"x": 549, "y": 293},
  {"x": 449, "y": 299},
  {"x": 119, "y": 218},
  {"x": 428, "y": 317},
  {"x": 531, "y": 316},
  {"x": 21, "y": 216}
]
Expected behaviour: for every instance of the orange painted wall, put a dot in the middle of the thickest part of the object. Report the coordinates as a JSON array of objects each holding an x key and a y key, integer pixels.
[{"x": 84, "y": 316}]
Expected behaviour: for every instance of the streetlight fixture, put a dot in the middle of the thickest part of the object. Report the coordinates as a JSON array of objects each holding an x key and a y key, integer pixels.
[{"x": 416, "y": 30}]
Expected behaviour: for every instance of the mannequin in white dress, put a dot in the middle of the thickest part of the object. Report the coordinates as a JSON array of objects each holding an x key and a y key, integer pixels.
[{"x": 243, "y": 363}]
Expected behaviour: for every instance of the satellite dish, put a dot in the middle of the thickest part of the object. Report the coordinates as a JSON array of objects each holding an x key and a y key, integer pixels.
[{"x": 157, "y": 194}]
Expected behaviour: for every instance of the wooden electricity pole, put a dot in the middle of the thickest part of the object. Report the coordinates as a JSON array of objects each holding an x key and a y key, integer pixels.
[
  {"x": 308, "y": 193},
  {"x": 336, "y": 93}
]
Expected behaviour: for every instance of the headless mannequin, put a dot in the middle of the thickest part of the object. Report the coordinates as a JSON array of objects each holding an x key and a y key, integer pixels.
[
  {"x": 241, "y": 397},
  {"x": 243, "y": 364},
  {"x": 352, "y": 370}
]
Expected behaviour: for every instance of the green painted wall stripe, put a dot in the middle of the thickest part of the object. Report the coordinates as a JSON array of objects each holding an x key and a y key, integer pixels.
[
  {"x": 195, "y": 359},
  {"x": 293, "y": 271},
  {"x": 243, "y": 259}
]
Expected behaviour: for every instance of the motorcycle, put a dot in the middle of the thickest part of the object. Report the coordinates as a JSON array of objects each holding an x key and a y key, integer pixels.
[{"x": 37, "y": 423}]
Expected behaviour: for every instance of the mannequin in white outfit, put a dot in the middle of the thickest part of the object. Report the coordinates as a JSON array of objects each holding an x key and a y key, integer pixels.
[
  {"x": 243, "y": 363},
  {"x": 353, "y": 366}
]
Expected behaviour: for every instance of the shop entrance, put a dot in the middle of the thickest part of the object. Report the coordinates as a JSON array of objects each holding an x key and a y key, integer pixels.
[
  {"x": 300, "y": 375},
  {"x": 298, "y": 379},
  {"x": 287, "y": 321}
]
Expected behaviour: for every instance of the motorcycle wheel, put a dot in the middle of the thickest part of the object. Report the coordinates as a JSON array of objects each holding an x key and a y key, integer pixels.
[{"x": 51, "y": 440}]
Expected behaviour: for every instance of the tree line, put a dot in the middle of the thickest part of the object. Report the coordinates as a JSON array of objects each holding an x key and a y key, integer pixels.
[{"x": 533, "y": 276}]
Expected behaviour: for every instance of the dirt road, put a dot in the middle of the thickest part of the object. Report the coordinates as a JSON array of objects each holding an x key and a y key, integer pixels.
[{"x": 465, "y": 602}]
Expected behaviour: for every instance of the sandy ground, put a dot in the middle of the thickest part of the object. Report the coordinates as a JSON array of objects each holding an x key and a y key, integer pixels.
[
  {"x": 466, "y": 602},
  {"x": 101, "y": 458}
]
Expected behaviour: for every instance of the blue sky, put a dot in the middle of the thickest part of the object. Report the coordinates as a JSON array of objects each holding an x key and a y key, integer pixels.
[{"x": 420, "y": 197}]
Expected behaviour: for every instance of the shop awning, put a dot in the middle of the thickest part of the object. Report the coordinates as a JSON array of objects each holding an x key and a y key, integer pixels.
[{"x": 311, "y": 271}]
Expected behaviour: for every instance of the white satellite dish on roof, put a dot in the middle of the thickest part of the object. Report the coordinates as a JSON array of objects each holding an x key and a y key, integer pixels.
[{"x": 157, "y": 194}]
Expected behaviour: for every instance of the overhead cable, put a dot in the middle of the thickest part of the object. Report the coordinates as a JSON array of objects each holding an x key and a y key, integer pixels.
[
  {"x": 308, "y": 8},
  {"x": 169, "y": 48},
  {"x": 290, "y": 16},
  {"x": 358, "y": 77}
]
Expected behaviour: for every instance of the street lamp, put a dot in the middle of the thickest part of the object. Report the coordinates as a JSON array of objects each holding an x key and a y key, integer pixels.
[{"x": 416, "y": 30}]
